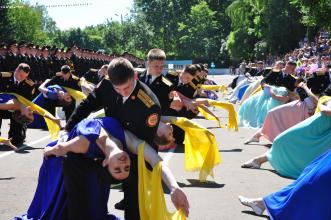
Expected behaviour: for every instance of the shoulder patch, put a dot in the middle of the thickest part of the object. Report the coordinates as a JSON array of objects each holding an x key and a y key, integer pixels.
[
  {"x": 6, "y": 74},
  {"x": 29, "y": 82},
  {"x": 152, "y": 120},
  {"x": 166, "y": 81},
  {"x": 58, "y": 74},
  {"x": 145, "y": 98},
  {"x": 192, "y": 85}
]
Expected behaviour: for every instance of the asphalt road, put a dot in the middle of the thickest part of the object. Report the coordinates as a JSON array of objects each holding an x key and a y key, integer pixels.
[{"x": 214, "y": 200}]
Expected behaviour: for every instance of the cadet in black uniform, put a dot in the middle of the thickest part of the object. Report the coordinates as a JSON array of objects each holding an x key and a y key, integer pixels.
[
  {"x": 20, "y": 84},
  {"x": 64, "y": 79},
  {"x": 137, "y": 109},
  {"x": 96, "y": 75},
  {"x": 320, "y": 80},
  {"x": 154, "y": 79}
]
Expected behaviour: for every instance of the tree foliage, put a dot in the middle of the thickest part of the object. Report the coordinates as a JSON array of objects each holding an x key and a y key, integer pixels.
[{"x": 203, "y": 30}]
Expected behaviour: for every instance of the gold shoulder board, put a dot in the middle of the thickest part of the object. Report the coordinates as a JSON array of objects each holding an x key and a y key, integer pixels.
[
  {"x": 29, "y": 82},
  {"x": 192, "y": 85},
  {"x": 320, "y": 73},
  {"x": 145, "y": 98},
  {"x": 173, "y": 73},
  {"x": 166, "y": 81},
  {"x": 6, "y": 74}
]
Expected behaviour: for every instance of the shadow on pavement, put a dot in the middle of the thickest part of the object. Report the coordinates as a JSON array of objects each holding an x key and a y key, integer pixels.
[
  {"x": 5, "y": 148},
  {"x": 26, "y": 149},
  {"x": 197, "y": 183},
  {"x": 7, "y": 178},
  {"x": 253, "y": 213},
  {"x": 232, "y": 150}
]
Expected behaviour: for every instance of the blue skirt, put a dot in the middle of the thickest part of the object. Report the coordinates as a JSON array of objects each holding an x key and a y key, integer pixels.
[{"x": 306, "y": 198}]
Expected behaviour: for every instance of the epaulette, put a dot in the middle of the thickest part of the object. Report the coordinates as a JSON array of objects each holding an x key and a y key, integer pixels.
[
  {"x": 192, "y": 85},
  {"x": 58, "y": 74},
  {"x": 166, "y": 81},
  {"x": 106, "y": 77},
  {"x": 74, "y": 77},
  {"x": 6, "y": 74},
  {"x": 145, "y": 98},
  {"x": 29, "y": 82},
  {"x": 268, "y": 68},
  {"x": 320, "y": 73},
  {"x": 276, "y": 70},
  {"x": 173, "y": 73},
  {"x": 93, "y": 70}
]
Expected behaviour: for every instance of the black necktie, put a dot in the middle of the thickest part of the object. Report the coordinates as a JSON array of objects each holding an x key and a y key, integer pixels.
[{"x": 148, "y": 79}]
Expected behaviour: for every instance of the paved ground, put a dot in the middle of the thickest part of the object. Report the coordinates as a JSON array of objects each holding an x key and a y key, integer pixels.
[{"x": 210, "y": 201}]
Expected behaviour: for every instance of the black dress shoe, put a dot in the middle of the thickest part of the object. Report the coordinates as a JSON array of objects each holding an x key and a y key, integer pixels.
[{"x": 119, "y": 205}]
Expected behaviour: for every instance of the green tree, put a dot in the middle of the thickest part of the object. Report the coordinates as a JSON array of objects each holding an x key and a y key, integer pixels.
[
  {"x": 5, "y": 23},
  {"x": 199, "y": 32},
  {"x": 27, "y": 22}
]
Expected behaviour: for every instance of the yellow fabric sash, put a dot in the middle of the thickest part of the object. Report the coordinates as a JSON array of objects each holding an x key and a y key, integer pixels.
[
  {"x": 233, "y": 118},
  {"x": 321, "y": 101},
  {"x": 2, "y": 139},
  {"x": 258, "y": 89},
  {"x": 209, "y": 115},
  {"x": 201, "y": 149},
  {"x": 152, "y": 204},
  {"x": 53, "y": 128},
  {"x": 77, "y": 95},
  {"x": 221, "y": 88}
]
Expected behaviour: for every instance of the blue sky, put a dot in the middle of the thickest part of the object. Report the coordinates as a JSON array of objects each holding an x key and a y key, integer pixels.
[{"x": 92, "y": 13}]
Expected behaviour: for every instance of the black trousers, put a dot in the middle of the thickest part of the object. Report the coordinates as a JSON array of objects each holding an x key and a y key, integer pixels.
[
  {"x": 76, "y": 169},
  {"x": 17, "y": 131},
  {"x": 68, "y": 110}
]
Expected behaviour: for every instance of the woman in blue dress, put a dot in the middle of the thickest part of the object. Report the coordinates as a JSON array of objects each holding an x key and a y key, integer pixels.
[
  {"x": 101, "y": 141},
  {"x": 306, "y": 198}
]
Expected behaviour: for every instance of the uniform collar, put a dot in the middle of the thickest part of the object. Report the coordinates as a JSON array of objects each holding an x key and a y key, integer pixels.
[
  {"x": 16, "y": 81},
  {"x": 152, "y": 77}
]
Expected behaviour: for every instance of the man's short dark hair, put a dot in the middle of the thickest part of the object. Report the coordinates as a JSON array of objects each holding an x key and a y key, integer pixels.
[
  {"x": 198, "y": 67},
  {"x": 24, "y": 67},
  {"x": 191, "y": 69},
  {"x": 156, "y": 54},
  {"x": 120, "y": 70},
  {"x": 65, "y": 69}
]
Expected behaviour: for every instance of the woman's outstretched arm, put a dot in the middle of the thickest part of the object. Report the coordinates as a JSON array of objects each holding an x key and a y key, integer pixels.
[
  {"x": 78, "y": 144},
  {"x": 178, "y": 196}
]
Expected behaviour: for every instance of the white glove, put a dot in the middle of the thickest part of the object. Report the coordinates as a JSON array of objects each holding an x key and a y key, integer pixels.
[{"x": 63, "y": 136}]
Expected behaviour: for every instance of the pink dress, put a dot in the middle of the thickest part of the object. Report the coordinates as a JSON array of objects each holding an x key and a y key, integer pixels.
[{"x": 285, "y": 116}]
